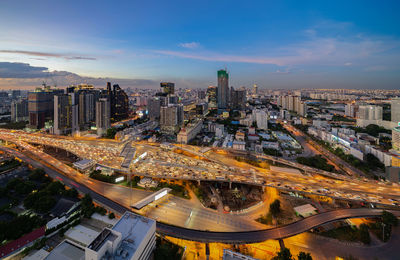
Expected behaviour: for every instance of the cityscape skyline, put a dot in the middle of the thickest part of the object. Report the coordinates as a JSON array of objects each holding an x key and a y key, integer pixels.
[{"x": 276, "y": 45}]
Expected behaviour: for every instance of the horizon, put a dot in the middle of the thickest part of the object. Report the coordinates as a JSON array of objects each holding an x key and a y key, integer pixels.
[{"x": 275, "y": 45}]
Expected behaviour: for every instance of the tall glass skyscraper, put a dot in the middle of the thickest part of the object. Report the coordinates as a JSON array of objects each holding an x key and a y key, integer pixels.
[{"x": 223, "y": 89}]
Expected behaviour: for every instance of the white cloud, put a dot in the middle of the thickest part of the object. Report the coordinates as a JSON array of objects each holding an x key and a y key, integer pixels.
[
  {"x": 348, "y": 64},
  {"x": 189, "y": 45}
]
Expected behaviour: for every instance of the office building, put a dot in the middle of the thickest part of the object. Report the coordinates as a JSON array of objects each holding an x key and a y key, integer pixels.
[
  {"x": 202, "y": 109},
  {"x": 255, "y": 89},
  {"x": 19, "y": 110},
  {"x": 171, "y": 118},
  {"x": 395, "y": 111},
  {"x": 168, "y": 87},
  {"x": 62, "y": 114},
  {"x": 153, "y": 108},
  {"x": 87, "y": 108},
  {"x": 41, "y": 106},
  {"x": 189, "y": 132},
  {"x": 132, "y": 238},
  {"x": 102, "y": 116},
  {"x": 201, "y": 94},
  {"x": 223, "y": 89},
  {"x": 238, "y": 99},
  {"x": 212, "y": 97},
  {"x": 118, "y": 101}
]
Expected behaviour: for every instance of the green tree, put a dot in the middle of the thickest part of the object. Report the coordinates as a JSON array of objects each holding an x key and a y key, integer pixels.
[
  {"x": 275, "y": 208},
  {"x": 304, "y": 256},
  {"x": 284, "y": 254},
  {"x": 364, "y": 234},
  {"x": 389, "y": 219},
  {"x": 111, "y": 215}
]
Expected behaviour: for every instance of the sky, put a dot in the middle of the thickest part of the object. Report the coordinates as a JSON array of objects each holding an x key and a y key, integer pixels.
[{"x": 275, "y": 44}]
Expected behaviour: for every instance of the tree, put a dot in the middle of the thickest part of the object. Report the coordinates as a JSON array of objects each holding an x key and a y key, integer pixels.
[
  {"x": 284, "y": 254},
  {"x": 111, "y": 215},
  {"x": 364, "y": 234},
  {"x": 304, "y": 256},
  {"x": 389, "y": 219},
  {"x": 275, "y": 208},
  {"x": 111, "y": 132}
]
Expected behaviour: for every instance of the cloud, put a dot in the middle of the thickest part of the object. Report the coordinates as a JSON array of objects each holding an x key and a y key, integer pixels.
[
  {"x": 189, "y": 45},
  {"x": 23, "y": 75},
  {"x": 48, "y": 55},
  {"x": 348, "y": 64}
]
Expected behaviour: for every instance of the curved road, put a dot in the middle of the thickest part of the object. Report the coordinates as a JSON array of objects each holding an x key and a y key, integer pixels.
[{"x": 207, "y": 236}]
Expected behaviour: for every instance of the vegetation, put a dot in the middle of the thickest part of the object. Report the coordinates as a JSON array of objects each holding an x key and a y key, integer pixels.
[
  {"x": 275, "y": 208},
  {"x": 342, "y": 118},
  {"x": 273, "y": 152},
  {"x": 372, "y": 129},
  {"x": 15, "y": 125},
  {"x": 316, "y": 161},
  {"x": 373, "y": 163},
  {"x": 383, "y": 227},
  {"x": 111, "y": 215},
  {"x": 285, "y": 254},
  {"x": 350, "y": 233},
  {"x": 25, "y": 224},
  {"x": 110, "y": 133},
  {"x": 88, "y": 208},
  {"x": 96, "y": 174},
  {"x": 166, "y": 250},
  {"x": 9, "y": 164}
]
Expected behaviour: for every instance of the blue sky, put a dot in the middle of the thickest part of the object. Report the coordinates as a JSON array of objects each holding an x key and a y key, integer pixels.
[{"x": 277, "y": 44}]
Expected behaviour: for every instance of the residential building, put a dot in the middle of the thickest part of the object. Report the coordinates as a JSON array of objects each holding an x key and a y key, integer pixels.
[
  {"x": 19, "y": 110},
  {"x": 168, "y": 87},
  {"x": 189, "y": 132},
  {"x": 395, "y": 111},
  {"x": 171, "y": 118},
  {"x": 153, "y": 108},
  {"x": 102, "y": 116},
  {"x": 212, "y": 97},
  {"x": 65, "y": 115}
]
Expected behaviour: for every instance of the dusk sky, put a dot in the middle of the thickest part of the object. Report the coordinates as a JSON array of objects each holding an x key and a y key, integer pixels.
[{"x": 276, "y": 44}]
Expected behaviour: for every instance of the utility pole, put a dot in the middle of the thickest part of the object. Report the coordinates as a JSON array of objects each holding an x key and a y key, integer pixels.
[{"x": 383, "y": 231}]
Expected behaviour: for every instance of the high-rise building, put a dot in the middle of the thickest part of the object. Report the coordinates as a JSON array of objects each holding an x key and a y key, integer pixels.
[
  {"x": 223, "y": 89},
  {"x": 19, "y": 110},
  {"x": 350, "y": 110},
  {"x": 102, "y": 115},
  {"x": 201, "y": 94},
  {"x": 153, "y": 108},
  {"x": 395, "y": 111},
  {"x": 171, "y": 118},
  {"x": 261, "y": 118},
  {"x": 119, "y": 102},
  {"x": 255, "y": 89},
  {"x": 15, "y": 94},
  {"x": 41, "y": 106},
  {"x": 238, "y": 99},
  {"x": 370, "y": 112},
  {"x": 396, "y": 139},
  {"x": 168, "y": 87},
  {"x": 65, "y": 114},
  {"x": 212, "y": 97},
  {"x": 87, "y": 108}
]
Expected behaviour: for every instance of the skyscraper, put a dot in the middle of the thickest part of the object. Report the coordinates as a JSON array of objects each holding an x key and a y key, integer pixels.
[
  {"x": 41, "y": 106},
  {"x": 19, "y": 110},
  {"x": 153, "y": 108},
  {"x": 223, "y": 89},
  {"x": 238, "y": 99},
  {"x": 102, "y": 115},
  {"x": 64, "y": 114},
  {"x": 395, "y": 111},
  {"x": 119, "y": 102},
  {"x": 168, "y": 87},
  {"x": 171, "y": 118},
  {"x": 212, "y": 97}
]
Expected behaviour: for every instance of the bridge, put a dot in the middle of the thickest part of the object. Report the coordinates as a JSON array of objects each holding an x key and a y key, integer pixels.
[{"x": 108, "y": 153}]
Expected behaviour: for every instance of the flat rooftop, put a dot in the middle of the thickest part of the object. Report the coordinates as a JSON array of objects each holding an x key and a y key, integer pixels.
[
  {"x": 152, "y": 197},
  {"x": 66, "y": 251},
  {"x": 134, "y": 229}
]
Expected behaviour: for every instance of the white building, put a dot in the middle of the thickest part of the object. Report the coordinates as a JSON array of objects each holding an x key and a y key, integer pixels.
[
  {"x": 133, "y": 237},
  {"x": 370, "y": 112},
  {"x": 261, "y": 118},
  {"x": 189, "y": 132}
]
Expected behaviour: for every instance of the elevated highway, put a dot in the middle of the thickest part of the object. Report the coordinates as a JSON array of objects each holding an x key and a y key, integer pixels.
[{"x": 210, "y": 236}]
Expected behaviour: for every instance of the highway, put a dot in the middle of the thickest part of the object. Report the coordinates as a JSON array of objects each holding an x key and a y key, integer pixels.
[
  {"x": 211, "y": 236},
  {"x": 172, "y": 165}
]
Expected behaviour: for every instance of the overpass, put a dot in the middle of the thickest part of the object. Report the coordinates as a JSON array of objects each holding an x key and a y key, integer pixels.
[{"x": 210, "y": 236}]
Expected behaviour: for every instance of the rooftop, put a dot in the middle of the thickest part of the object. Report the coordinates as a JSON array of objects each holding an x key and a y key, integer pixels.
[{"x": 66, "y": 251}]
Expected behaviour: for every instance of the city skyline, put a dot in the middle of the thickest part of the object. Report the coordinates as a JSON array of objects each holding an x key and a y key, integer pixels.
[{"x": 276, "y": 45}]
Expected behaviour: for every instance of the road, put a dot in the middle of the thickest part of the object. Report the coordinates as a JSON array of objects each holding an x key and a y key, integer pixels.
[
  {"x": 209, "y": 236},
  {"x": 167, "y": 164}
]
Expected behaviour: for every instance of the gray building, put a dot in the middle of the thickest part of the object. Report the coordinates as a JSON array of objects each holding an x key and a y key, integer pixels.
[
  {"x": 223, "y": 89},
  {"x": 153, "y": 108},
  {"x": 19, "y": 110},
  {"x": 102, "y": 116},
  {"x": 65, "y": 114},
  {"x": 171, "y": 118},
  {"x": 395, "y": 110}
]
